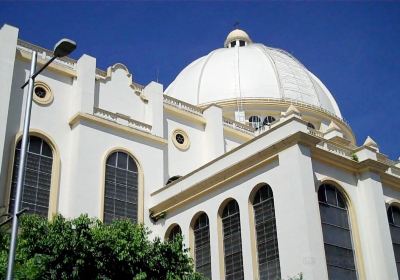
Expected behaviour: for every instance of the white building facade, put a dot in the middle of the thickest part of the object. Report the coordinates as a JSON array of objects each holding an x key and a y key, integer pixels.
[{"x": 246, "y": 154}]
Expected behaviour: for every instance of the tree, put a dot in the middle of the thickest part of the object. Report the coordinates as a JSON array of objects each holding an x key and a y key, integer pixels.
[{"x": 85, "y": 248}]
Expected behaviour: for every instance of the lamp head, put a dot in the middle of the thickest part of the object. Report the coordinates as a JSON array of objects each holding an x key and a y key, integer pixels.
[{"x": 64, "y": 47}]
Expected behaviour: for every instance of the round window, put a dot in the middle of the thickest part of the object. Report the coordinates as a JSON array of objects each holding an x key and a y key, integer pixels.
[
  {"x": 180, "y": 139},
  {"x": 42, "y": 93}
]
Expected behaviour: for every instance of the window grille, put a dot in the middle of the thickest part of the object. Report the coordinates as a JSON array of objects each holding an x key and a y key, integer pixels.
[
  {"x": 37, "y": 182},
  {"x": 393, "y": 213},
  {"x": 232, "y": 241},
  {"x": 336, "y": 231},
  {"x": 202, "y": 253},
  {"x": 121, "y": 188},
  {"x": 267, "y": 241}
]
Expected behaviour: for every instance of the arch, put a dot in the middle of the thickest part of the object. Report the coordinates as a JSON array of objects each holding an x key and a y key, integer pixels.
[
  {"x": 268, "y": 120},
  {"x": 172, "y": 231},
  {"x": 200, "y": 243},
  {"x": 310, "y": 125},
  {"x": 172, "y": 179},
  {"x": 229, "y": 216},
  {"x": 393, "y": 214},
  {"x": 264, "y": 232},
  {"x": 255, "y": 121},
  {"x": 54, "y": 173},
  {"x": 337, "y": 232},
  {"x": 140, "y": 183}
]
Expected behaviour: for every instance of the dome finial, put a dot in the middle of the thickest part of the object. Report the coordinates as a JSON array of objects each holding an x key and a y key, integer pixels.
[{"x": 237, "y": 37}]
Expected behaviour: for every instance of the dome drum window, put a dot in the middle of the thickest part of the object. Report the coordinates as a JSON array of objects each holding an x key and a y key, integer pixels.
[
  {"x": 42, "y": 93},
  {"x": 180, "y": 139},
  {"x": 255, "y": 122},
  {"x": 268, "y": 120}
]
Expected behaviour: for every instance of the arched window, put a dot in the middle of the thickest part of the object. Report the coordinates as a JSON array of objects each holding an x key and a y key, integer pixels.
[
  {"x": 232, "y": 241},
  {"x": 174, "y": 232},
  {"x": 267, "y": 241},
  {"x": 310, "y": 125},
  {"x": 121, "y": 188},
  {"x": 255, "y": 121},
  {"x": 268, "y": 120},
  {"x": 393, "y": 213},
  {"x": 36, "y": 187},
  {"x": 201, "y": 231},
  {"x": 173, "y": 178},
  {"x": 336, "y": 231}
]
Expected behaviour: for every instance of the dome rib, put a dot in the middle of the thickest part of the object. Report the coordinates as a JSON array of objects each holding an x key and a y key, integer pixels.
[
  {"x": 201, "y": 73},
  {"x": 263, "y": 49}
]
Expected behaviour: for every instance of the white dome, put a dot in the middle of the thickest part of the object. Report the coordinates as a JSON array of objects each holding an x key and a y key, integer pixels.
[{"x": 251, "y": 71}]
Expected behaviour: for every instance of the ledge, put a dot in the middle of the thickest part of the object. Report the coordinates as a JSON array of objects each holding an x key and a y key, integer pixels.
[{"x": 77, "y": 118}]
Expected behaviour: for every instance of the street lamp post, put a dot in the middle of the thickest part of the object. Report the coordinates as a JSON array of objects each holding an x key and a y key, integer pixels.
[{"x": 62, "y": 48}]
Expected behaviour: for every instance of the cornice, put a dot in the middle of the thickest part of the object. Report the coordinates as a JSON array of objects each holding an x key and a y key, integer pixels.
[
  {"x": 234, "y": 171},
  {"x": 79, "y": 117},
  {"x": 184, "y": 114}
]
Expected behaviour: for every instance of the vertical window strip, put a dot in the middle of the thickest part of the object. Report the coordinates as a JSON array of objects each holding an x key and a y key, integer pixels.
[
  {"x": 394, "y": 225},
  {"x": 37, "y": 182},
  {"x": 267, "y": 240},
  {"x": 336, "y": 231},
  {"x": 121, "y": 188},
  {"x": 202, "y": 251},
  {"x": 232, "y": 242}
]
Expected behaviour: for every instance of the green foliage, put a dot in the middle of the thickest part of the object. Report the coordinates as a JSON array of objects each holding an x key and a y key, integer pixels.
[
  {"x": 297, "y": 277},
  {"x": 85, "y": 248},
  {"x": 354, "y": 157}
]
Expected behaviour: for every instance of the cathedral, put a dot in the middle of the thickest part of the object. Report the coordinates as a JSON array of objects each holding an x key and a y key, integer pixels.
[{"x": 245, "y": 154}]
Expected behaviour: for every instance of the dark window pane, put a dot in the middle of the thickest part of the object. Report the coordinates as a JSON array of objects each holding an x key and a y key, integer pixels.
[
  {"x": 35, "y": 145},
  {"x": 338, "y": 273},
  {"x": 396, "y": 215},
  {"x": 132, "y": 165},
  {"x": 112, "y": 159},
  {"x": 122, "y": 160},
  {"x": 46, "y": 150}
]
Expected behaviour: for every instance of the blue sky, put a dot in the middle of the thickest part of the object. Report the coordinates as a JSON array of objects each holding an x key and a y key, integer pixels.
[{"x": 354, "y": 48}]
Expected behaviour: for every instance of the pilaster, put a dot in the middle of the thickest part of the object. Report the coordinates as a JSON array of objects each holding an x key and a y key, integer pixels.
[{"x": 375, "y": 239}]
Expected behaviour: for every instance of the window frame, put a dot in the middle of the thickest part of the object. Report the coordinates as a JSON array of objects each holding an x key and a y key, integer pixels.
[
  {"x": 339, "y": 191},
  {"x": 55, "y": 173},
  {"x": 140, "y": 176}
]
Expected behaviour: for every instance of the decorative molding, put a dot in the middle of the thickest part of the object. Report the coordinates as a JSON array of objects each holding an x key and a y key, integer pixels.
[
  {"x": 186, "y": 141},
  {"x": 79, "y": 117},
  {"x": 48, "y": 99}
]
